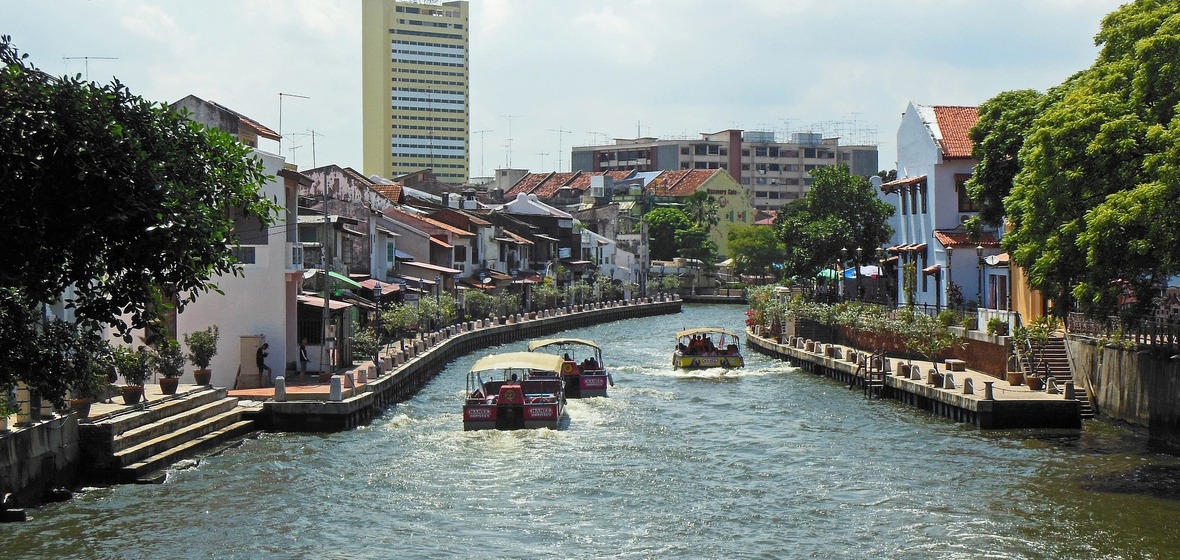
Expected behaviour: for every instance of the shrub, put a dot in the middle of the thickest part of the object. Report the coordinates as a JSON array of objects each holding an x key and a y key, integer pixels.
[
  {"x": 997, "y": 326},
  {"x": 202, "y": 346}
]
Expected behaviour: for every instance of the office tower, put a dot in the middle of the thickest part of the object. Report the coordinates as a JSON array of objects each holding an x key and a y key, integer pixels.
[{"x": 415, "y": 88}]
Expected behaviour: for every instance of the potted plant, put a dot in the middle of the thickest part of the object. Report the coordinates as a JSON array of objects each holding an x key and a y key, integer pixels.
[
  {"x": 170, "y": 363},
  {"x": 202, "y": 346},
  {"x": 7, "y": 407},
  {"x": 135, "y": 366}
]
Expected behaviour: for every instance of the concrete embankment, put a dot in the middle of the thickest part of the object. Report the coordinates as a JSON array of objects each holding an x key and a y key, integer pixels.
[
  {"x": 1139, "y": 386},
  {"x": 967, "y": 396},
  {"x": 353, "y": 402}
]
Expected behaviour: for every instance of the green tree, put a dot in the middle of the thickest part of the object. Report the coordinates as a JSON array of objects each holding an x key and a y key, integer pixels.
[
  {"x": 755, "y": 249},
  {"x": 702, "y": 209},
  {"x": 841, "y": 211},
  {"x": 694, "y": 243},
  {"x": 1095, "y": 204},
  {"x": 662, "y": 225},
  {"x": 122, "y": 200},
  {"x": 997, "y": 137}
]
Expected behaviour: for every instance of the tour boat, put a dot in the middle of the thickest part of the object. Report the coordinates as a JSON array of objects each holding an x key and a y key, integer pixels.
[
  {"x": 707, "y": 348},
  {"x": 513, "y": 391},
  {"x": 585, "y": 378}
]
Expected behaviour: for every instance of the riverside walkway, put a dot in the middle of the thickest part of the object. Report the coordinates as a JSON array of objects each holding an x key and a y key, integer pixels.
[{"x": 958, "y": 392}]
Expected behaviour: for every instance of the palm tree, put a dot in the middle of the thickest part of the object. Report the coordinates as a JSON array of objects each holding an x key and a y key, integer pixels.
[{"x": 703, "y": 210}]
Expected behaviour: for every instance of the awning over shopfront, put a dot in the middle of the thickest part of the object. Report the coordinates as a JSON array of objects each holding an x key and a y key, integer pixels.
[{"x": 314, "y": 301}]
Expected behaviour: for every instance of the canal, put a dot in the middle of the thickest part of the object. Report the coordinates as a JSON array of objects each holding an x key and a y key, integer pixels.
[{"x": 765, "y": 462}]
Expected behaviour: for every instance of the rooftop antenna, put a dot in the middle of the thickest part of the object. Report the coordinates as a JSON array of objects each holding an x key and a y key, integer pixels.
[
  {"x": 559, "y": 133},
  {"x": 542, "y": 154},
  {"x": 481, "y": 152},
  {"x": 509, "y": 117},
  {"x": 313, "y": 134},
  {"x": 281, "y": 96},
  {"x": 87, "y": 59}
]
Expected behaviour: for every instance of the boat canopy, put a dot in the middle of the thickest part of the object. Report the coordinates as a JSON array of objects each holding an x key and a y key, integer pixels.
[
  {"x": 534, "y": 345},
  {"x": 519, "y": 360},
  {"x": 704, "y": 330}
]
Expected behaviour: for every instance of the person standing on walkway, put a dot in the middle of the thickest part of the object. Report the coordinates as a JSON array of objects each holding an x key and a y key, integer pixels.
[
  {"x": 303, "y": 359},
  {"x": 260, "y": 357}
]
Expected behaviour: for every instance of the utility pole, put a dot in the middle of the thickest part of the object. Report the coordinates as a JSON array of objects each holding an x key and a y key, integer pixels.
[
  {"x": 87, "y": 60},
  {"x": 281, "y": 96},
  {"x": 559, "y": 133}
]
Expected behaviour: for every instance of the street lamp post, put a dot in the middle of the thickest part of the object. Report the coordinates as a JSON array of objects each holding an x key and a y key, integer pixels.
[
  {"x": 438, "y": 288},
  {"x": 377, "y": 301},
  {"x": 843, "y": 263},
  {"x": 860, "y": 293},
  {"x": 950, "y": 251},
  {"x": 979, "y": 265}
]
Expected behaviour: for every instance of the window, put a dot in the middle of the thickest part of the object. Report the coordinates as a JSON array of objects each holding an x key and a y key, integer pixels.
[
  {"x": 966, "y": 204},
  {"x": 714, "y": 150},
  {"x": 700, "y": 165},
  {"x": 390, "y": 253},
  {"x": 760, "y": 194},
  {"x": 244, "y": 254},
  {"x": 724, "y": 151},
  {"x": 760, "y": 152},
  {"x": 700, "y": 149},
  {"x": 684, "y": 150},
  {"x": 773, "y": 151},
  {"x": 460, "y": 253},
  {"x": 810, "y": 167},
  {"x": 914, "y": 200},
  {"x": 790, "y": 153},
  {"x": 745, "y": 152},
  {"x": 745, "y": 167},
  {"x": 809, "y": 152},
  {"x": 901, "y": 196},
  {"x": 923, "y": 195}
]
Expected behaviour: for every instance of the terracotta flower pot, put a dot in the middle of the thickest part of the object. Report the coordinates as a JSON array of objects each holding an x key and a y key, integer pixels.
[
  {"x": 1035, "y": 383},
  {"x": 132, "y": 394},
  {"x": 168, "y": 385},
  {"x": 1015, "y": 378},
  {"x": 202, "y": 376},
  {"x": 81, "y": 407}
]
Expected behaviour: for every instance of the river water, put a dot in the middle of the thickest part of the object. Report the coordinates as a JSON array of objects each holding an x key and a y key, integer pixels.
[{"x": 764, "y": 462}]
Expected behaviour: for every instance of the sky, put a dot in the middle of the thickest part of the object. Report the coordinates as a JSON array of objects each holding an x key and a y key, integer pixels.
[{"x": 547, "y": 75}]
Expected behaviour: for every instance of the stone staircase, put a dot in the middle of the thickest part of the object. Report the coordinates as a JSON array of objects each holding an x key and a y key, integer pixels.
[
  {"x": 1057, "y": 358},
  {"x": 131, "y": 446}
]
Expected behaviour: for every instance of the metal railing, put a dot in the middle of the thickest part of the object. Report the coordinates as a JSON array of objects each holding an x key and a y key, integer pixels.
[{"x": 1141, "y": 331}]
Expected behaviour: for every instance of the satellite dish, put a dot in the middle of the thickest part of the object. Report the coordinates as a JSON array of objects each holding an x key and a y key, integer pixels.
[{"x": 487, "y": 280}]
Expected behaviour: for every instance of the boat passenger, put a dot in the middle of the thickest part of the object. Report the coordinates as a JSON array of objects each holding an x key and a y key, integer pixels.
[{"x": 591, "y": 364}]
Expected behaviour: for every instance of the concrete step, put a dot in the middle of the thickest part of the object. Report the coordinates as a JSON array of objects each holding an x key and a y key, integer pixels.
[
  {"x": 147, "y": 466},
  {"x": 153, "y": 411},
  {"x": 177, "y": 438},
  {"x": 171, "y": 424}
]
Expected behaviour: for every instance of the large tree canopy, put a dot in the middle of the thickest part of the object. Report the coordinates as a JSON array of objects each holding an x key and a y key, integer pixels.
[
  {"x": 755, "y": 249},
  {"x": 997, "y": 138},
  {"x": 662, "y": 225},
  {"x": 1094, "y": 204},
  {"x": 841, "y": 211},
  {"x": 123, "y": 201}
]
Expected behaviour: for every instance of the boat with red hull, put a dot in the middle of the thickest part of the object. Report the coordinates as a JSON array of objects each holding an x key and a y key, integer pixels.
[
  {"x": 516, "y": 390},
  {"x": 584, "y": 378}
]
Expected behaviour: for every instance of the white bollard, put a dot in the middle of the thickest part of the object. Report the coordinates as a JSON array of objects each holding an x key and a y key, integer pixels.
[
  {"x": 280, "y": 389},
  {"x": 336, "y": 392}
]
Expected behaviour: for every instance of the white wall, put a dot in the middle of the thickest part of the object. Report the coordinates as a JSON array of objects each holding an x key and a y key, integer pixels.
[{"x": 261, "y": 301}]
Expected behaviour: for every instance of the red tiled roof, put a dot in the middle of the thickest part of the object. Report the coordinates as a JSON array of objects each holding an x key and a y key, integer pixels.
[
  {"x": 527, "y": 184},
  {"x": 954, "y": 123},
  {"x": 959, "y": 239},
  {"x": 681, "y": 183},
  {"x": 894, "y": 185},
  {"x": 548, "y": 188},
  {"x": 259, "y": 128},
  {"x": 423, "y": 223},
  {"x": 392, "y": 192}
]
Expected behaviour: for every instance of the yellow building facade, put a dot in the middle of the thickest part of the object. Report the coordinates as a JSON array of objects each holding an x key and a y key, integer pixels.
[{"x": 415, "y": 88}]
